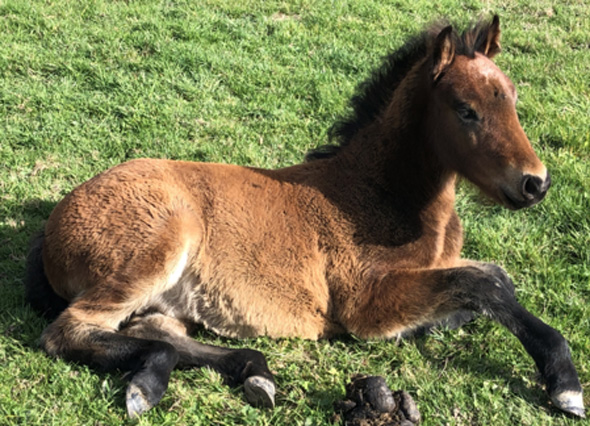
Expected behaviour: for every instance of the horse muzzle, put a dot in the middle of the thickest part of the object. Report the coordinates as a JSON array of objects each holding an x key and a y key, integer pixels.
[{"x": 530, "y": 190}]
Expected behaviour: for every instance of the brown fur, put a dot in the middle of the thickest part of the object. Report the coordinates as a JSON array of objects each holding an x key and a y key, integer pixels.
[
  {"x": 301, "y": 251},
  {"x": 363, "y": 241}
]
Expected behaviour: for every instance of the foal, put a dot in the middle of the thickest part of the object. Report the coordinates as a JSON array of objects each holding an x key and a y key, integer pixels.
[{"x": 362, "y": 238}]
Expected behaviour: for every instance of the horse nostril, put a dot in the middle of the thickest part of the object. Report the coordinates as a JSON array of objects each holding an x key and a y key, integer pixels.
[{"x": 533, "y": 187}]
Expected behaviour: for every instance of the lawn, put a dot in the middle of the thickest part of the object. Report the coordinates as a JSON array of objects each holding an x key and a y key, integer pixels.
[{"x": 87, "y": 85}]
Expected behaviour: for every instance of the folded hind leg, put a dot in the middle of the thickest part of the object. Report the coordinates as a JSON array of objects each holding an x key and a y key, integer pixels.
[
  {"x": 76, "y": 337},
  {"x": 237, "y": 366}
]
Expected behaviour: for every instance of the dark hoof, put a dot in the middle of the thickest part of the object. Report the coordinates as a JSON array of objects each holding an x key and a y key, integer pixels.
[
  {"x": 571, "y": 402},
  {"x": 260, "y": 391},
  {"x": 144, "y": 391},
  {"x": 136, "y": 401}
]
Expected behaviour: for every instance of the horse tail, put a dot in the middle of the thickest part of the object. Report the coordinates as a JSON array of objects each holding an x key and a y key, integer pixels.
[{"x": 38, "y": 292}]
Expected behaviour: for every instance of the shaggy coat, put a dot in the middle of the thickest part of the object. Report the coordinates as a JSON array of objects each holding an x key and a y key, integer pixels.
[{"x": 362, "y": 238}]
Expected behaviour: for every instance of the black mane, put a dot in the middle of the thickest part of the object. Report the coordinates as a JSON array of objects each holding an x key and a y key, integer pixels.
[{"x": 375, "y": 93}]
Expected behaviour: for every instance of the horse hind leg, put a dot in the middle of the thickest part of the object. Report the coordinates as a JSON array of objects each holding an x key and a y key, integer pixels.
[
  {"x": 113, "y": 276},
  {"x": 245, "y": 367},
  {"x": 147, "y": 348},
  {"x": 149, "y": 362}
]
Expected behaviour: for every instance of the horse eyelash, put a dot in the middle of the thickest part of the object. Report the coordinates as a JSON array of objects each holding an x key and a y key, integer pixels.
[{"x": 466, "y": 112}]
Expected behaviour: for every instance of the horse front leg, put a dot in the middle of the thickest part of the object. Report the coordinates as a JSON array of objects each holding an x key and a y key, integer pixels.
[{"x": 403, "y": 300}]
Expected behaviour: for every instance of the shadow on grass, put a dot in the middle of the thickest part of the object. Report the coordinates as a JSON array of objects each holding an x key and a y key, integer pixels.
[
  {"x": 477, "y": 362},
  {"x": 24, "y": 221}
]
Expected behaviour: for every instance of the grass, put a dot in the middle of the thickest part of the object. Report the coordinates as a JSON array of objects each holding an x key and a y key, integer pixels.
[{"x": 87, "y": 85}]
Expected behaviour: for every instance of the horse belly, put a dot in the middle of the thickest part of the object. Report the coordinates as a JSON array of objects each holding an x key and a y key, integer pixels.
[{"x": 242, "y": 301}]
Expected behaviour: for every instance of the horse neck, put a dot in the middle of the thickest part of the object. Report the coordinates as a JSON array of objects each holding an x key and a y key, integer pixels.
[{"x": 395, "y": 153}]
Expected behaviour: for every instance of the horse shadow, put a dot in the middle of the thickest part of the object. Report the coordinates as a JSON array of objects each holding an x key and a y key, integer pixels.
[
  {"x": 18, "y": 322},
  {"x": 473, "y": 359}
]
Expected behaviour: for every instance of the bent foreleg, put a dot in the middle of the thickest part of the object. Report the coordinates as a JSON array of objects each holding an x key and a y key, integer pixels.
[{"x": 404, "y": 300}]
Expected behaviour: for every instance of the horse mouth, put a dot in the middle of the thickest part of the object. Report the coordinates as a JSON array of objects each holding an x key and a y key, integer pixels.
[{"x": 513, "y": 203}]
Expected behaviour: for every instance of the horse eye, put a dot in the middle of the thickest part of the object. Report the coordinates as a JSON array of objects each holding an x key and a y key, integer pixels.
[{"x": 466, "y": 113}]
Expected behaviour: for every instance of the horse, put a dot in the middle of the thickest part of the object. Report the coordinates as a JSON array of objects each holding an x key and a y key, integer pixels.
[{"x": 360, "y": 238}]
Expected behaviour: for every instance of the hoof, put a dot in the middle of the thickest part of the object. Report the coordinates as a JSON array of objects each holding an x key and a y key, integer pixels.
[
  {"x": 136, "y": 402},
  {"x": 570, "y": 402},
  {"x": 260, "y": 391}
]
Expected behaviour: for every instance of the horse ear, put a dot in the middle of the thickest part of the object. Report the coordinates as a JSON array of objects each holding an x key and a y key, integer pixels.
[
  {"x": 444, "y": 52},
  {"x": 491, "y": 47}
]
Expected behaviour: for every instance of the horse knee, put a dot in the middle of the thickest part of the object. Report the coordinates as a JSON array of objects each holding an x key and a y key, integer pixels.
[
  {"x": 501, "y": 278},
  {"x": 484, "y": 284}
]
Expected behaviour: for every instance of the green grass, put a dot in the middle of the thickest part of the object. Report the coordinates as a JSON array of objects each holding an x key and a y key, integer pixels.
[{"x": 87, "y": 85}]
